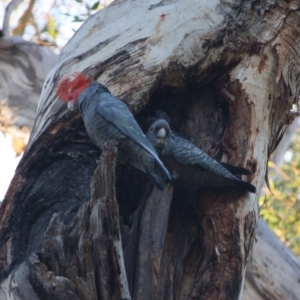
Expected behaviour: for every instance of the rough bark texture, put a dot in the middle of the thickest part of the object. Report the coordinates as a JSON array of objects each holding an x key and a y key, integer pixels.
[
  {"x": 227, "y": 74},
  {"x": 93, "y": 257},
  {"x": 87, "y": 253}
]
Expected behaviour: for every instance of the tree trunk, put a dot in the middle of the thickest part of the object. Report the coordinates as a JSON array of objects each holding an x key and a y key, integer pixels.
[
  {"x": 226, "y": 74},
  {"x": 274, "y": 272}
]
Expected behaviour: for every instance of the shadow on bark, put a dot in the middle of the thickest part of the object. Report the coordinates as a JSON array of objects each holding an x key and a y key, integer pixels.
[
  {"x": 170, "y": 239},
  {"x": 88, "y": 253},
  {"x": 84, "y": 260}
]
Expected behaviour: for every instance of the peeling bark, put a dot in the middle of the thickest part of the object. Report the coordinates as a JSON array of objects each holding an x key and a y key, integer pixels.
[
  {"x": 85, "y": 257},
  {"x": 89, "y": 251},
  {"x": 226, "y": 74}
]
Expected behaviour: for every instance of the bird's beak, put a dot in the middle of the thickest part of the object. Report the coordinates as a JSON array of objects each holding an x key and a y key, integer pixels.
[
  {"x": 161, "y": 134},
  {"x": 160, "y": 142},
  {"x": 71, "y": 105}
]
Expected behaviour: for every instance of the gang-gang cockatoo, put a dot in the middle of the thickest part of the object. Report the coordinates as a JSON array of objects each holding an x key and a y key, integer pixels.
[{"x": 106, "y": 117}]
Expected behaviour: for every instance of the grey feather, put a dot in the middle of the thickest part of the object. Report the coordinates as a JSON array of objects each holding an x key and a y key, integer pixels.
[
  {"x": 107, "y": 117},
  {"x": 189, "y": 165},
  {"x": 188, "y": 154}
]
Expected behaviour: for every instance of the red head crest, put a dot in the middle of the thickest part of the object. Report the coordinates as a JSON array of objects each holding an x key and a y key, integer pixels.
[{"x": 69, "y": 88}]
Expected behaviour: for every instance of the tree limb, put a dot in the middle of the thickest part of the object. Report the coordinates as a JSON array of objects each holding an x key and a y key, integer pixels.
[
  {"x": 8, "y": 10},
  {"x": 274, "y": 272},
  {"x": 24, "y": 20},
  {"x": 215, "y": 70}
]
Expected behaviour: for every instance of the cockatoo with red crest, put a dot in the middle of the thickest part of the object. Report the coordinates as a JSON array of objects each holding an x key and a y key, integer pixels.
[{"x": 106, "y": 117}]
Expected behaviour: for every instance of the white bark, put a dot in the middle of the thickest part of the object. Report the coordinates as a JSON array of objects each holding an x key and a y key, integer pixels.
[
  {"x": 147, "y": 37},
  {"x": 247, "y": 53}
]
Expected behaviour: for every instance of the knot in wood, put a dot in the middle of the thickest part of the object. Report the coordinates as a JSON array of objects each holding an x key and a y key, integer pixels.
[{"x": 110, "y": 145}]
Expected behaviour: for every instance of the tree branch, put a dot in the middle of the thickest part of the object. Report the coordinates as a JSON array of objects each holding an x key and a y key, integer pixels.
[
  {"x": 8, "y": 10},
  {"x": 275, "y": 270},
  {"x": 23, "y": 21}
]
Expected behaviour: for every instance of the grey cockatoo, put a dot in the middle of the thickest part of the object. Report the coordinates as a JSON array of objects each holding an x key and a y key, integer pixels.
[
  {"x": 189, "y": 166},
  {"x": 107, "y": 117}
]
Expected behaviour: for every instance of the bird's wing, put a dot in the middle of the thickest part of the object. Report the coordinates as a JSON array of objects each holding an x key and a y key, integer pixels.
[
  {"x": 116, "y": 112},
  {"x": 187, "y": 153}
]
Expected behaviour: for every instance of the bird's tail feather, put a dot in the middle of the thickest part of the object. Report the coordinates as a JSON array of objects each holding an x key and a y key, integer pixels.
[
  {"x": 155, "y": 178},
  {"x": 235, "y": 170},
  {"x": 246, "y": 186},
  {"x": 162, "y": 170},
  {"x": 160, "y": 175}
]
